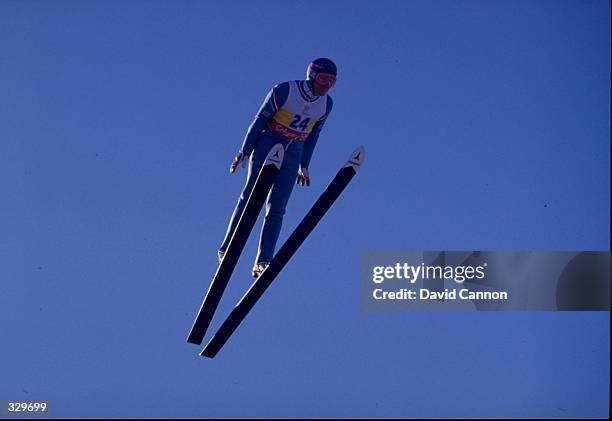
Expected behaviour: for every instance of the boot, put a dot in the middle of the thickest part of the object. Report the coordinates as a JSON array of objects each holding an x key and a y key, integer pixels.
[{"x": 259, "y": 268}]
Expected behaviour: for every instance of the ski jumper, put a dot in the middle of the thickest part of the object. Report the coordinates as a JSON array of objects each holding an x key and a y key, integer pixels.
[{"x": 293, "y": 116}]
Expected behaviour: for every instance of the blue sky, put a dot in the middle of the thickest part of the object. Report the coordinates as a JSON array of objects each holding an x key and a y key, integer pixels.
[{"x": 486, "y": 125}]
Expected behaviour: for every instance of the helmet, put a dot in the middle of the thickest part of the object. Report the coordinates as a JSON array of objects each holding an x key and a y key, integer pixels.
[{"x": 320, "y": 65}]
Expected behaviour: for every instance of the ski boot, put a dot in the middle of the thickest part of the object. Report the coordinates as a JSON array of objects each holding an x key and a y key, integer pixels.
[{"x": 259, "y": 268}]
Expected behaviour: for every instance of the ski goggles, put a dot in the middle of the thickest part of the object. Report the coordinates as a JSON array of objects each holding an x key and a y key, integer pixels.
[{"x": 325, "y": 79}]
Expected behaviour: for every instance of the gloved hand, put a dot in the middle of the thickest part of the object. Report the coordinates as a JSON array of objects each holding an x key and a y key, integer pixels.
[
  {"x": 238, "y": 159},
  {"x": 303, "y": 178}
]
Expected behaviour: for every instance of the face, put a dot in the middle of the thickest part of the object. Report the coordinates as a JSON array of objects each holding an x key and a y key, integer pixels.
[{"x": 323, "y": 83}]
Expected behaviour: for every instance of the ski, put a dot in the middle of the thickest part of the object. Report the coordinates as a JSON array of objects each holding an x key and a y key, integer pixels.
[
  {"x": 288, "y": 249},
  {"x": 243, "y": 229}
]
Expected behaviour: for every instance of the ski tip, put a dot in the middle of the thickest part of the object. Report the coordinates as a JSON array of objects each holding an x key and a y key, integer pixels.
[
  {"x": 208, "y": 352},
  {"x": 193, "y": 341},
  {"x": 275, "y": 156},
  {"x": 356, "y": 158}
]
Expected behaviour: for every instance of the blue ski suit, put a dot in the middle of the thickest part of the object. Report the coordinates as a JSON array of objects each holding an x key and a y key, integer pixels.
[{"x": 293, "y": 116}]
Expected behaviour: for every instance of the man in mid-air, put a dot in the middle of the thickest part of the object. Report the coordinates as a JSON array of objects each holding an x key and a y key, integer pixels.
[{"x": 292, "y": 114}]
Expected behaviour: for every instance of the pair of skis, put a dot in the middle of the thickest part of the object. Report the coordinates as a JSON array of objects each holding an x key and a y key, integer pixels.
[{"x": 254, "y": 204}]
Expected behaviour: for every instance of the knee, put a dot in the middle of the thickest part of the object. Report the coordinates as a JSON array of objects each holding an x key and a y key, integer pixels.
[
  {"x": 246, "y": 192},
  {"x": 277, "y": 205},
  {"x": 275, "y": 211}
]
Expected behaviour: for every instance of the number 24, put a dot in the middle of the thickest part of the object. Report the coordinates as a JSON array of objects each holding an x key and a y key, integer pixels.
[{"x": 297, "y": 124}]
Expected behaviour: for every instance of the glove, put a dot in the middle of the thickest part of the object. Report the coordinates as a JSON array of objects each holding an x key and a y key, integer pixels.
[
  {"x": 303, "y": 178},
  {"x": 238, "y": 159}
]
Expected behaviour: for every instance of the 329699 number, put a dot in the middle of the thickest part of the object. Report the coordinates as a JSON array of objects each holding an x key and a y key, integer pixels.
[{"x": 26, "y": 406}]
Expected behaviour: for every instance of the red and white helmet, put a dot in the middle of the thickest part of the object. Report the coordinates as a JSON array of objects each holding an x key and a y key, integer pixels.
[{"x": 323, "y": 71}]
